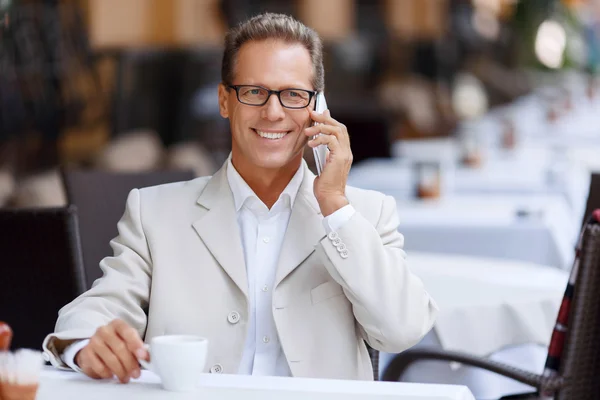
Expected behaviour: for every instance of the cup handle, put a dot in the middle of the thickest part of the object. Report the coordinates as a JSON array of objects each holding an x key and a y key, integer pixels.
[{"x": 146, "y": 364}]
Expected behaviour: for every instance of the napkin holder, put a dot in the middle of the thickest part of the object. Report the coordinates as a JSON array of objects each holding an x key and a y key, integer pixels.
[
  {"x": 471, "y": 146},
  {"x": 428, "y": 179}
]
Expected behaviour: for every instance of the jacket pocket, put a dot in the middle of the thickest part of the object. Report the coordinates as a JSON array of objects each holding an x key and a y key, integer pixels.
[{"x": 325, "y": 291}]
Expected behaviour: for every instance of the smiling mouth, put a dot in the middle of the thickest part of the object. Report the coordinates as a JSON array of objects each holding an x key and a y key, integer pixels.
[{"x": 270, "y": 135}]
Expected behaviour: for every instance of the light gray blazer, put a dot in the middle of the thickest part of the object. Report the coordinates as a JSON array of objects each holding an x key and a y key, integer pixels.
[{"x": 178, "y": 267}]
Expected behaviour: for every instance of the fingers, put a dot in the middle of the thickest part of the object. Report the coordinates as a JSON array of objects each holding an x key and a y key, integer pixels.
[
  {"x": 326, "y": 129},
  {"x": 131, "y": 338},
  {"x": 112, "y": 352},
  {"x": 329, "y": 126},
  {"x": 330, "y": 141},
  {"x": 91, "y": 365},
  {"x": 338, "y": 144},
  {"x": 324, "y": 118},
  {"x": 124, "y": 356},
  {"x": 107, "y": 355}
]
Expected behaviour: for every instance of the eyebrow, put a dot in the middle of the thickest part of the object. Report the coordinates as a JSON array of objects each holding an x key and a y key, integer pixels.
[{"x": 293, "y": 86}]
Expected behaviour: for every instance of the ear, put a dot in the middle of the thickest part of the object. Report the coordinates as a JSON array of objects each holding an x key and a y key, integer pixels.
[{"x": 223, "y": 100}]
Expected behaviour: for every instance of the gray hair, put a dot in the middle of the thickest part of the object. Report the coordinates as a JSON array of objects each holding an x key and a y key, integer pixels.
[{"x": 273, "y": 26}]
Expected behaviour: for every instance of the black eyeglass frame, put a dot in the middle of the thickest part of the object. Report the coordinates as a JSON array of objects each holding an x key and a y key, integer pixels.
[{"x": 311, "y": 94}]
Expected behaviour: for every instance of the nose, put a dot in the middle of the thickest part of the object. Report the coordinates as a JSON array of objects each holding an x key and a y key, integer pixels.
[{"x": 273, "y": 110}]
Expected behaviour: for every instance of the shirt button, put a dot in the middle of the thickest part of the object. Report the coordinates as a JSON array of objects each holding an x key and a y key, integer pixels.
[
  {"x": 265, "y": 288},
  {"x": 233, "y": 317},
  {"x": 216, "y": 369},
  {"x": 266, "y": 239},
  {"x": 266, "y": 339}
]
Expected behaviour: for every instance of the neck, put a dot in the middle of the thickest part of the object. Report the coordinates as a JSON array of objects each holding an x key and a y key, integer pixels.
[{"x": 266, "y": 183}]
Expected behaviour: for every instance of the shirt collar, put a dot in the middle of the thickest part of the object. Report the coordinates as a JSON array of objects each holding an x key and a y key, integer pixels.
[{"x": 242, "y": 192}]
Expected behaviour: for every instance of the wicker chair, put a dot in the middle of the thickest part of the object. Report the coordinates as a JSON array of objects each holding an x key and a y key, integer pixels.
[
  {"x": 40, "y": 272},
  {"x": 579, "y": 366},
  {"x": 374, "y": 355},
  {"x": 100, "y": 198},
  {"x": 593, "y": 201}
]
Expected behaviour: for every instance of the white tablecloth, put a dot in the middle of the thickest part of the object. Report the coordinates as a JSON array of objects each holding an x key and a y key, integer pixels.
[
  {"x": 587, "y": 156},
  {"x": 577, "y": 132},
  {"x": 60, "y": 385},
  {"x": 499, "y": 309},
  {"x": 528, "y": 171},
  {"x": 537, "y": 229},
  {"x": 487, "y": 304}
]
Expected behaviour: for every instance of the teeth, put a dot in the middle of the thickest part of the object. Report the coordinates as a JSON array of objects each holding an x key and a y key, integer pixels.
[{"x": 268, "y": 135}]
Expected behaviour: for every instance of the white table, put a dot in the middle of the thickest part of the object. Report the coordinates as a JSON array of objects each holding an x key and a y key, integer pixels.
[
  {"x": 587, "y": 156},
  {"x": 61, "y": 385},
  {"x": 488, "y": 304},
  {"x": 538, "y": 229},
  {"x": 504, "y": 310},
  {"x": 578, "y": 131},
  {"x": 527, "y": 171}
]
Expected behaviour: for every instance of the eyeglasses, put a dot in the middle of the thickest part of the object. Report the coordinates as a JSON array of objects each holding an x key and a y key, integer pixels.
[{"x": 258, "y": 96}]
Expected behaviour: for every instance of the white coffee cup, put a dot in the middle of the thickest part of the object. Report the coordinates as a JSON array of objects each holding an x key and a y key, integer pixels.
[{"x": 178, "y": 360}]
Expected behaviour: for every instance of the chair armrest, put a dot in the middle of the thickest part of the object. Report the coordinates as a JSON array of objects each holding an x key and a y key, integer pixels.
[{"x": 400, "y": 363}]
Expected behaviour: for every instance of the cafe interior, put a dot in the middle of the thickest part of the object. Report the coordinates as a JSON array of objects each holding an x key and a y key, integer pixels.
[{"x": 481, "y": 118}]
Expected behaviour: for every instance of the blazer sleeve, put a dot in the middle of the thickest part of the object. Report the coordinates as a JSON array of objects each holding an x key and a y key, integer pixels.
[
  {"x": 122, "y": 292},
  {"x": 390, "y": 303}
]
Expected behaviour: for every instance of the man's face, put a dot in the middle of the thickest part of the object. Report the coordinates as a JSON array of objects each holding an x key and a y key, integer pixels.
[{"x": 274, "y": 65}]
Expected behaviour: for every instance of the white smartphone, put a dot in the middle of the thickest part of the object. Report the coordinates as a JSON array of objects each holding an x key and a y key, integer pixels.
[{"x": 320, "y": 152}]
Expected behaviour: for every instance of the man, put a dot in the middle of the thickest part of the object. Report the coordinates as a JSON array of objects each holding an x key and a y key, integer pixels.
[{"x": 284, "y": 274}]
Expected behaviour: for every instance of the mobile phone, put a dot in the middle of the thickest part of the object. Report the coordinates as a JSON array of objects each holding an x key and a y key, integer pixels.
[{"x": 320, "y": 152}]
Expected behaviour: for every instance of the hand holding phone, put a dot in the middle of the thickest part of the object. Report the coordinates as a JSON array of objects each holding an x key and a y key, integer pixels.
[{"x": 320, "y": 152}]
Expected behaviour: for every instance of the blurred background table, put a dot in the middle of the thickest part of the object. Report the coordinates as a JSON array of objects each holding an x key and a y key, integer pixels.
[
  {"x": 525, "y": 204},
  {"x": 537, "y": 229}
]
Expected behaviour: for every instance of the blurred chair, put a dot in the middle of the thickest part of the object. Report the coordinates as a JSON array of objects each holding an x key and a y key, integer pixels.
[
  {"x": 7, "y": 186},
  {"x": 41, "y": 270},
  {"x": 571, "y": 371},
  {"x": 119, "y": 154},
  {"x": 100, "y": 198},
  {"x": 40, "y": 190},
  {"x": 191, "y": 156}
]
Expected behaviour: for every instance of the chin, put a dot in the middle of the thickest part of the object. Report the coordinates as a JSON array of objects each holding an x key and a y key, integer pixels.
[{"x": 274, "y": 161}]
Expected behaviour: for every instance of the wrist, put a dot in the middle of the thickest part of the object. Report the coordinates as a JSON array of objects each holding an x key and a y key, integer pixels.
[
  {"x": 331, "y": 204},
  {"x": 76, "y": 359}
]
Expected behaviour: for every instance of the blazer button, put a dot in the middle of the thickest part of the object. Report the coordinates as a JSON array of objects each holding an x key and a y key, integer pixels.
[
  {"x": 332, "y": 235},
  {"x": 216, "y": 369},
  {"x": 337, "y": 241},
  {"x": 344, "y": 253},
  {"x": 233, "y": 317},
  {"x": 341, "y": 247}
]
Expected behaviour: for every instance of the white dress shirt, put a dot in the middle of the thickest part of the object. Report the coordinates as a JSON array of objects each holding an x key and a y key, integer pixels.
[{"x": 262, "y": 231}]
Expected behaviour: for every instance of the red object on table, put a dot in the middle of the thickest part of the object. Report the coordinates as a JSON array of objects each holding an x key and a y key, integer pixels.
[{"x": 5, "y": 336}]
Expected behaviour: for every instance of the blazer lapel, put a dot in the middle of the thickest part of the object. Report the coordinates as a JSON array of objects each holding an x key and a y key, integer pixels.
[
  {"x": 219, "y": 230},
  {"x": 305, "y": 229}
]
